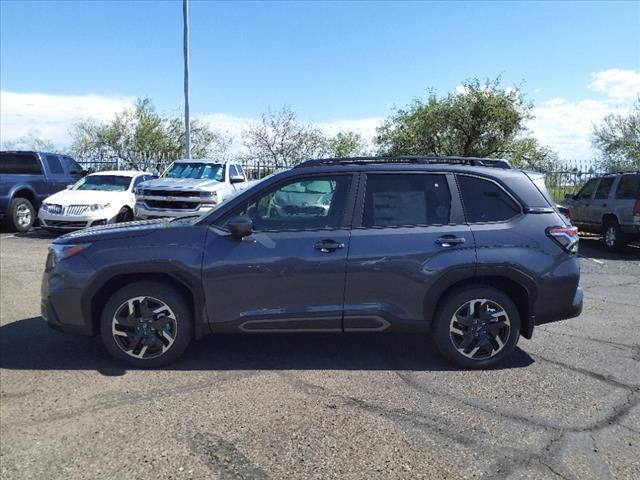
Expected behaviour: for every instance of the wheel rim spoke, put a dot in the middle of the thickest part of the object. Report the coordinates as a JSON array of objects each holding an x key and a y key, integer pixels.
[
  {"x": 479, "y": 329},
  {"x": 144, "y": 327}
]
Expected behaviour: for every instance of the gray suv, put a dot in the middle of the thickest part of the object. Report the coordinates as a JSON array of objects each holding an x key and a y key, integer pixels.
[
  {"x": 609, "y": 205},
  {"x": 469, "y": 250}
]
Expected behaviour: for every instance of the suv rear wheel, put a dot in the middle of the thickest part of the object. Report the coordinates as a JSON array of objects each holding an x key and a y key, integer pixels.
[
  {"x": 612, "y": 236},
  {"x": 146, "y": 324},
  {"x": 477, "y": 327}
]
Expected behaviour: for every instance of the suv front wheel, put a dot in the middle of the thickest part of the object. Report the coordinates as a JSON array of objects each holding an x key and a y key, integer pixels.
[
  {"x": 476, "y": 327},
  {"x": 146, "y": 324}
]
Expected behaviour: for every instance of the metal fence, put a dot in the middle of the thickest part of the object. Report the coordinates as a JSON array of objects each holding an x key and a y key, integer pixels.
[{"x": 562, "y": 178}]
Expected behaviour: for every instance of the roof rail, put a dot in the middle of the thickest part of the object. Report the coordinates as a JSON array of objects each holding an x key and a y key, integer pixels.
[
  {"x": 620, "y": 173},
  {"x": 473, "y": 161}
]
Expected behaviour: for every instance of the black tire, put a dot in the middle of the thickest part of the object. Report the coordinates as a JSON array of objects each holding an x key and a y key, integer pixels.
[
  {"x": 178, "y": 324},
  {"x": 22, "y": 215},
  {"x": 124, "y": 215},
  {"x": 613, "y": 238},
  {"x": 507, "y": 327}
]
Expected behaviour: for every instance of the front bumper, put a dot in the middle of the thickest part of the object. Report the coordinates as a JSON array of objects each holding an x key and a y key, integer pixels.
[
  {"x": 143, "y": 212},
  {"x": 75, "y": 222}
]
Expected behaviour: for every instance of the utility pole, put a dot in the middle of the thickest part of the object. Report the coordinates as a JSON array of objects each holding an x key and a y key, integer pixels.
[{"x": 187, "y": 129}]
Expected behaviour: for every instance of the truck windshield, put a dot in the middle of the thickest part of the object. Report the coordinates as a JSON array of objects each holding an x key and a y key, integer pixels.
[
  {"x": 107, "y": 183},
  {"x": 198, "y": 170}
]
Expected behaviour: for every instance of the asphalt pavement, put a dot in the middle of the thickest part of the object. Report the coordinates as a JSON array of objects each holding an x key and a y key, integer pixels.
[{"x": 565, "y": 404}]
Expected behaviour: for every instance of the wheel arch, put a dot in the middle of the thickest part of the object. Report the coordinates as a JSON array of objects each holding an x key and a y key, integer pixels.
[
  {"x": 24, "y": 191},
  {"x": 102, "y": 291},
  {"x": 522, "y": 295}
]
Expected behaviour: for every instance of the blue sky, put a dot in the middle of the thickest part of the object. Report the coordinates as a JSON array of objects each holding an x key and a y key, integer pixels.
[{"x": 328, "y": 60}]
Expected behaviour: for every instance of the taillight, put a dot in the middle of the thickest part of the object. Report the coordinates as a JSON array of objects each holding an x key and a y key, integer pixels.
[
  {"x": 566, "y": 237},
  {"x": 636, "y": 208}
]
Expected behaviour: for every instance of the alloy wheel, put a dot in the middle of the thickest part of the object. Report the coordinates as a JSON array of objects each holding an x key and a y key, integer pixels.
[
  {"x": 610, "y": 236},
  {"x": 144, "y": 327},
  {"x": 480, "y": 329},
  {"x": 23, "y": 215}
]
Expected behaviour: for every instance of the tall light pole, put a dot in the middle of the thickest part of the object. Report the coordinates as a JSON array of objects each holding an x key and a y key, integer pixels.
[{"x": 187, "y": 130}]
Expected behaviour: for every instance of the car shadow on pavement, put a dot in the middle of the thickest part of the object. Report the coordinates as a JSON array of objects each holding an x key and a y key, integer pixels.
[
  {"x": 30, "y": 345},
  {"x": 593, "y": 247}
]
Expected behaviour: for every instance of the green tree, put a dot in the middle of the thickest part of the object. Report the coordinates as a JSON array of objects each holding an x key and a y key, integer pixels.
[
  {"x": 478, "y": 119},
  {"x": 31, "y": 141},
  {"x": 142, "y": 139},
  {"x": 618, "y": 140},
  {"x": 281, "y": 140},
  {"x": 346, "y": 144}
]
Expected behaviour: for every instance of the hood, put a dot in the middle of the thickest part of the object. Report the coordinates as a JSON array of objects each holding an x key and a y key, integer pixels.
[
  {"x": 181, "y": 184},
  {"x": 118, "y": 230},
  {"x": 83, "y": 197}
]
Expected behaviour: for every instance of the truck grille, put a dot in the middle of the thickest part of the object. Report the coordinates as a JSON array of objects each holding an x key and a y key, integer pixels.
[
  {"x": 169, "y": 193},
  {"x": 164, "y": 204}
]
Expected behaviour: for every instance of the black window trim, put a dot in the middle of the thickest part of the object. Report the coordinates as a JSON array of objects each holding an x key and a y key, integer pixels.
[
  {"x": 614, "y": 183},
  {"x": 501, "y": 187},
  {"x": 455, "y": 209},
  {"x": 347, "y": 215}
]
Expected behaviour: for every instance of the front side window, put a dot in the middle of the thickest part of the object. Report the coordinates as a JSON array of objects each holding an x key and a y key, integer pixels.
[
  {"x": 394, "y": 200},
  {"x": 105, "y": 183},
  {"x": 604, "y": 187},
  {"x": 196, "y": 170},
  {"x": 484, "y": 201},
  {"x": 72, "y": 166},
  {"x": 628, "y": 187},
  {"x": 586, "y": 191},
  {"x": 315, "y": 203}
]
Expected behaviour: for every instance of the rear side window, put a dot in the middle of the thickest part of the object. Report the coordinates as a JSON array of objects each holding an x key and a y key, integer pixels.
[
  {"x": 406, "y": 200},
  {"x": 484, "y": 201},
  {"x": 604, "y": 187},
  {"x": 628, "y": 187},
  {"x": 20, "y": 163},
  {"x": 587, "y": 190},
  {"x": 54, "y": 164}
]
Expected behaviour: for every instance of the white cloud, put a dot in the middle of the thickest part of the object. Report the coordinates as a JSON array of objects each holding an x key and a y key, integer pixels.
[
  {"x": 617, "y": 85},
  {"x": 50, "y": 116}
]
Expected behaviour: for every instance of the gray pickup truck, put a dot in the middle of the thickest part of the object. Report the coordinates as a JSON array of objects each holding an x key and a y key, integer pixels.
[
  {"x": 27, "y": 178},
  {"x": 609, "y": 205},
  {"x": 189, "y": 187}
]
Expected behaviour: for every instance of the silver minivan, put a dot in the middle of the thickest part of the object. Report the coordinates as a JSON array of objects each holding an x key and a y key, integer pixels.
[{"x": 609, "y": 205}]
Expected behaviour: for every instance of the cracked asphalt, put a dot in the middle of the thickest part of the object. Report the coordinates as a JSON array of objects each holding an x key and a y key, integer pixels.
[{"x": 565, "y": 405}]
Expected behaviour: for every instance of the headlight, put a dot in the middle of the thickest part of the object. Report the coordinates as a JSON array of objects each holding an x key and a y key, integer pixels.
[
  {"x": 59, "y": 252},
  {"x": 99, "y": 206}
]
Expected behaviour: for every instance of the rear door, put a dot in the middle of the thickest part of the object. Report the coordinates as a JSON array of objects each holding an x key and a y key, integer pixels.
[
  {"x": 409, "y": 235},
  {"x": 600, "y": 205},
  {"x": 627, "y": 192}
]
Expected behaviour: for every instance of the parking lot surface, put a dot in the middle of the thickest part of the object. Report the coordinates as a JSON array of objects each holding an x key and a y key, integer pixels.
[{"x": 565, "y": 405}]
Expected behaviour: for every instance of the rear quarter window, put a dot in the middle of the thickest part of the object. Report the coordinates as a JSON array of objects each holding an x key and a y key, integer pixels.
[
  {"x": 484, "y": 201},
  {"x": 604, "y": 187},
  {"x": 628, "y": 187},
  {"x": 19, "y": 163}
]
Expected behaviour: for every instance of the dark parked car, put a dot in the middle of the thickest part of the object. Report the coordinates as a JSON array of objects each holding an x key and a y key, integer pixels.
[
  {"x": 476, "y": 255},
  {"x": 27, "y": 178},
  {"x": 609, "y": 205}
]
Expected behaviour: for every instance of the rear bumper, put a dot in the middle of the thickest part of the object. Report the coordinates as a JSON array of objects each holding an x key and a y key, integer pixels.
[{"x": 571, "y": 311}]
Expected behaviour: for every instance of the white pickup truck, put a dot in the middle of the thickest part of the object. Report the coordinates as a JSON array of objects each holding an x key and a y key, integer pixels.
[{"x": 189, "y": 187}]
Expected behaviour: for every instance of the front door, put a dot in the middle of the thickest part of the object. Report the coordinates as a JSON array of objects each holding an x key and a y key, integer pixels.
[
  {"x": 582, "y": 205},
  {"x": 410, "y": 234},
  {"x": 290, "y": 274}
]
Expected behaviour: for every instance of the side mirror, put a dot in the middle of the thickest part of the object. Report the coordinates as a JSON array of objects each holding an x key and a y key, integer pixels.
[
  {"x": 240, "y": 227},
  {"x": 236, "y": 179}
]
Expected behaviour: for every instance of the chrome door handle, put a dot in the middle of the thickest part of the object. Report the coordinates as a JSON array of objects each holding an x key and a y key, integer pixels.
[
  {"x": 328, "y": 246},
  {"x": 449, "y": 240}
]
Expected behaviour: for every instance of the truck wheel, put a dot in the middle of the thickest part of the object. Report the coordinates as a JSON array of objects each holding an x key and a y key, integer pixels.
[
  {"x": 124, "y": 215},
  {"x": 146, "y": 324},
  {"x": 476, "y": 327},
  {"x": 22, "y": 215},
  {"x": 613, "y": 237}
]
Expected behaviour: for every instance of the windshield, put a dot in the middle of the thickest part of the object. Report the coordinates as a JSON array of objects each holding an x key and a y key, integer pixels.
[
  {"x": 197, "y": 170},
  {"x": 106, "y": 183}
]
